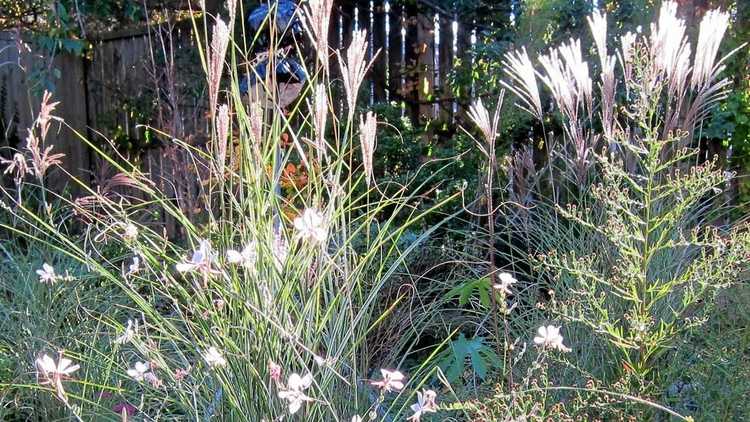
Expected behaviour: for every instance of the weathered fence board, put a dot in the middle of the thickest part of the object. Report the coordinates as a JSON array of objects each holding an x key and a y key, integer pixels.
[
  {"x": 98, "y": 93},
  {"x": 20, "y": 99}
]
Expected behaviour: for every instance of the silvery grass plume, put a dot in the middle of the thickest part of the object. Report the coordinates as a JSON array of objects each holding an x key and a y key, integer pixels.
[
  {"x": 316, "y": 22},
  {"x": 320, "y": 118},
  {"x": 667, "y": 39},
  {"x": 255, "y": 122},
  {"x": 479, "y": 114},
  {"x": 354, "y": 69},
  {"x": 219, "y": 44},
  {"x": 518, "y": 67},
  {"x": 627, "y": 51},
  {"x": 598, "y": 24},
  {"x": 222, "y": 138},
  {"x": 712, "y": 29},
  {"x": 708, "y": 88},
  {"x": 567, "y": 78},
  {"x": 367, "y": 132}
]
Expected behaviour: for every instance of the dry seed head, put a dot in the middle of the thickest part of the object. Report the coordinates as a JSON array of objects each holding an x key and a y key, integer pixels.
[
  {"x": 219, "y": 44},
  {"x": 320, "y": 118},
  {"x": 667, "y": 39},
  {"x": 712, "y": 30},
  {"x": 627, "y": 42},
  {"x": 222, "y": 139},
  {"x": 518, "y": 67},
  {"x": 367, "y": 131},
  {"x": 354, "y": 70},
  {"x": 318, "y": 17},
  {"x": 45, "y": 113},
  {"x": 479, "y": 114}
]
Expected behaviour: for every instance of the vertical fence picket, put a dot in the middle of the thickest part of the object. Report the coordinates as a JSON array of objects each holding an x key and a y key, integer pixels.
[
  {"x": 393, "y": 56},
  {"x": 379, "y": 43}
]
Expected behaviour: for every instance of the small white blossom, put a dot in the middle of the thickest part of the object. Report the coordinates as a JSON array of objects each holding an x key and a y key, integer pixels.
[
  {"x": 130, "y": 233},
  {"x": 392, "y": 381},
  {"x": 202, "y": 259},
  {"x": 549, "y": 336},
  {"x": 53, "y": 373},
  {"x": 135, "y": 266},
  {"x": 425, "y": 404},
  {"x": 246, "y": 257},
  {"x": 294, "y": 394},
  {"x": 139, "y": 370},
  {"x": 311, "y": 226},
  {"x": 506, "y": 280},
  {"x": 356, "y": 418},
  {"x": 129, "y": 333},
  {"x": 47, "y": 274},
  {"x": 214, "y": 358},
  {"x": 49, "y": 368}
]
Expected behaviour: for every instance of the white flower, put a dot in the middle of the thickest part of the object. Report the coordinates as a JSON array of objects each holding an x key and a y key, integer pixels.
[
  {"x": 392, "y": 380},
  {"x": 201, "y": 260},
  {"x": 139, "y": 370},
  {"x": 50, "y": 369},
  {"x": 356, "y": 418},
  {"x": 425, "y": 404},
  {"x": 134, "y": 266},
  {"x": 506, "y": 280},
  {"x": 214, "y": 358},
  {"x": 47, "y": 274},
  {"x": 549, "y": 336},
  {"x": 311, "y": 226},
  {"x": 53, "y": 373},
  {"x": 294, "y": 393},
  {"x": 246, "y": 257},
  {"x": 131, "y": 232},
  {"x": 129, "y": 333}
]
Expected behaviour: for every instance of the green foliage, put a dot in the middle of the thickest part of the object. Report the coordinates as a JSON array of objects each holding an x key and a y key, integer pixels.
[
  {"x": 476, "y": 351},
  {"x": 481, "y": 287}
]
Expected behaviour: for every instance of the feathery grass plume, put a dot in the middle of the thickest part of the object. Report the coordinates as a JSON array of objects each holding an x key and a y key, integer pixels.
[
  {"x": 219, "y": 44},
  {"x": 222, "y": 131},
  {"x": 598, "y": 24},
  {"x": 560, "y": 83},
  {"x": 579, "y": 70},
  {"x": 712, "y": 30},
  {"x": 354, "y": 69},
  {"x": 518, "y": 67},
  {"x": 16, "y": 166},
  {"x": 318, "y": 16},
  {"x": 367, "y": 131},
  {"x": 232, "y": 8},
  {"x": 479, "y": 114},
  {"x": 320, "y": 118},
  {"x": 627, "y": 50},
  {"x": 41, "y": 161},
  {"x": 667, "y": 39},
  {"x": 45, "y": 113}
]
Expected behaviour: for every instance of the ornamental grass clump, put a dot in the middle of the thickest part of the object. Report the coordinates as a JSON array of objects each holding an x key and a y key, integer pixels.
[
  {"x": 642, "y": 247},
  {"x": 260, "y": 278}
]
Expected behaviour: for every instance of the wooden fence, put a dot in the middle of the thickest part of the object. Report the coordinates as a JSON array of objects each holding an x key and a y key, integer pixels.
[{"x": 103, "y": 93}]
